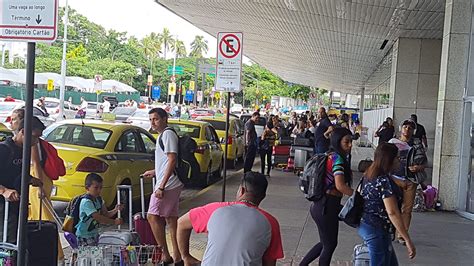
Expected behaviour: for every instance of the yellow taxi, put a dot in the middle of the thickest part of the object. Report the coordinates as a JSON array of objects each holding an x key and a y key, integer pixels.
[
  {"x": 235, "y": 140},
  {"x": 208, "y": 154},
  {"x": 4, "y": 132},
  {"x": 119, "y": 153}
]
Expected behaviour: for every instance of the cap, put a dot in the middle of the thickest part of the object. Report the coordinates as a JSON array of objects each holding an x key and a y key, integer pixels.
[
  {"x": 409, "y": 122},
  {"x": 35, "y": 124}
]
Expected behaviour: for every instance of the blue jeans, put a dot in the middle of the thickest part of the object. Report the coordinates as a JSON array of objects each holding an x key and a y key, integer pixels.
[{"x": 380, "y": 246}]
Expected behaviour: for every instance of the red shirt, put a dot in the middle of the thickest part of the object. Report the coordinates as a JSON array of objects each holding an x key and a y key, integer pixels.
[{"x": 200, "y": 217}]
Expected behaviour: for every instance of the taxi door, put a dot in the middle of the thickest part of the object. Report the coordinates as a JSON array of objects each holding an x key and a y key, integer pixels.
[{"x": 215, "y": 148}]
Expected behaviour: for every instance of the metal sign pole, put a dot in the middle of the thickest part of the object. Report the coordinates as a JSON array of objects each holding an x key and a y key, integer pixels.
[
  {"x": 25, "y": 168},
  {"x": 226, "y": 145}
]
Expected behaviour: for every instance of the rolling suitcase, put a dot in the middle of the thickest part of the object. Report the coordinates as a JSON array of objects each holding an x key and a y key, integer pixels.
[
  {"x": 281, "y": 150},
  {"x": 8, "y": 250},
  {"x": 120, "y": 237},
  {"x": 42, "y": 245},
  {"x": 300, "y": 158},
  {"x": 142, "y": 227}
]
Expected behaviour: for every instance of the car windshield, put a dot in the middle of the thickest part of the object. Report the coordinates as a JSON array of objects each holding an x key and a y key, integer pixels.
[
  {"x": 79, "y": 135},
  {"x": 183, "y": 129},
  {"x": 123, "y": 111},
  {"x": 218, "y": 125},
  {"x": 51, "y": 104},
  {"x": 91, "y": 105},
  {"x": 6, "y": 107},
  {"x": 140, "y": 113}
]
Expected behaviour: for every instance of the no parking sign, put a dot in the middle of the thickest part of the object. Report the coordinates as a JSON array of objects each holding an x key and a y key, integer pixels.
[{"x": 229, "y": 61}]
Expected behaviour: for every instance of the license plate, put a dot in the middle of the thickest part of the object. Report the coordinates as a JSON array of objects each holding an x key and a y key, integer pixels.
[{"x": 54, "y": 190}]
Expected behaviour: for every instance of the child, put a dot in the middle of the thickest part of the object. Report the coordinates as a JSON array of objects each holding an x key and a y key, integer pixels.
[{"x": 92, "y": 212}]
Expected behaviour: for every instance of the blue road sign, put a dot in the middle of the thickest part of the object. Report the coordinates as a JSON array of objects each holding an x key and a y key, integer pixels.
[
  {"x": 155, "y": 92},
  {"x": 189, "y": 96}
]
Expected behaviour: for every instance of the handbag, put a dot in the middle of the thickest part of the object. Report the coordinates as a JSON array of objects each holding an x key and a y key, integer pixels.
[
  {"x": 68, "y": 224},
  {"x": 352, "y": 211}
]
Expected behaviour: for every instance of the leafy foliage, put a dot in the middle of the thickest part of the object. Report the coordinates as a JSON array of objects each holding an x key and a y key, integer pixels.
[{"x": 93, "y": 50}]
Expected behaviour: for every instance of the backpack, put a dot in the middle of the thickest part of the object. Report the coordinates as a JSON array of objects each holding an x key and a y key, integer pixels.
[
  {"x": 53, "y": 164},
  {"x": 186, "y": 160},
  {"x": 311, "y": 181},
  {"x": 73, "y": 208}
]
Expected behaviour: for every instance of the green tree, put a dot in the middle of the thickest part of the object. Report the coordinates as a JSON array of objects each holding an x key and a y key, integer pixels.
[
  {"x": 166, "y": 39},
  {"x": 199, "y": 47},
  {"x": 151, "y": 45},
  {"x": 179, "y": 48}
]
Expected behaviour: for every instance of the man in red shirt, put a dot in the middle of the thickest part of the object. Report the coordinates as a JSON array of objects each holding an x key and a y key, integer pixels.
[{"x": 239, "y": 233}]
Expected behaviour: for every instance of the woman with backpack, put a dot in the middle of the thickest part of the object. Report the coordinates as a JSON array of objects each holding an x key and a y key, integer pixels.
[
  {"x": 381, "y": 214},
  {"x": 336, "y": 184}
]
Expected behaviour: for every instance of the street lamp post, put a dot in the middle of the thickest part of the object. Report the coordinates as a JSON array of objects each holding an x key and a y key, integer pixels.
[{"x": 62, "y": 89}]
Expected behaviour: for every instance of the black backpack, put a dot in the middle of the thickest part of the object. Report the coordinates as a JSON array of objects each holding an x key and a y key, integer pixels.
[
  {"x": 186, "y": 162},
  {"x": 311, "y": 180},
  {"x": 73, "y": 208}
]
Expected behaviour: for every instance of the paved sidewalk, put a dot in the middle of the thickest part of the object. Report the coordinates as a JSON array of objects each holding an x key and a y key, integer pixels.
[{"x": 441, "y": 238}]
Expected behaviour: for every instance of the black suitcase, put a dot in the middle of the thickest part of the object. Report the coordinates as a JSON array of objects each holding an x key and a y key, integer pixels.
[
  {"x": 285, "y": 141},
  {"x": 305, "y": 142},
  {"x": 42, "y": 245}
]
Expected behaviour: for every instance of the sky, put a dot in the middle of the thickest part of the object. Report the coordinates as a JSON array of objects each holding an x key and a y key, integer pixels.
[{"x": 139, "y": 18}]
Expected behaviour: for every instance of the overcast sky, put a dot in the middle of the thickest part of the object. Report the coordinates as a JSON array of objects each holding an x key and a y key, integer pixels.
[{"x": 139, "y": 18}]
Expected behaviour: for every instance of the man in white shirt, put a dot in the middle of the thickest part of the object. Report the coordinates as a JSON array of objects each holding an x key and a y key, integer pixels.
[
  {"x": 82, "y": 108},
  {"x": 164, "y": 203},
  {"x": 106, "y": 106}
]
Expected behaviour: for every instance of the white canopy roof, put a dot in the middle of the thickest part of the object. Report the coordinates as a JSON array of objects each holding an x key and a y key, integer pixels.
[
  {"x": 19, "y": 76},
  {"x": 334, "y": 44}
]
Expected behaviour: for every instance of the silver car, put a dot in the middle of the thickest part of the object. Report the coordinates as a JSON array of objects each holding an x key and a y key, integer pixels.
[{"x": 140, "y": 118}]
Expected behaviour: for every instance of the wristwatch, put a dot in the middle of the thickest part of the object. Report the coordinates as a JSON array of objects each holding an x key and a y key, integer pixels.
[{"x": 162, "y": 189}]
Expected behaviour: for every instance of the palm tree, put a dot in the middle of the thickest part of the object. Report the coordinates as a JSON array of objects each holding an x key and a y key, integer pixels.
[
  {"x": 151, "y": 45},
  {"x": 198, "y": 47},
  {"x": 166, "y": 39},
  {"x": 179, "y": 48}
]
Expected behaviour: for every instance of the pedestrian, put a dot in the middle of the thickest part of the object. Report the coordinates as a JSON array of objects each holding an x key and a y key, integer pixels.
[
  {"x": 106, "y": 106},
  {"x": 381, "y": 214},
  {"x": 164, "y": 203},
  {"x": 386, "y": 131},
  {"x": 93, "y": 212},
  {"x": 11, "y": 155},
  {"x": 320, "y": 141},
  {"x": 344, "y": 121},
  {"x": 239, "y": 232},
  {"x": 42, "y": 105},
  {"x": 326, "y": 210},
  {"x": 251, "y": 141},
  {"x": 267, "y": 142},
  {"x": 38, "y": 158},
  {"x": 300, "y": 130},
  {"x": 420, "y": 134},
  {"x": 405, "y": 175},
  {"x": 81, "y": 113}
]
